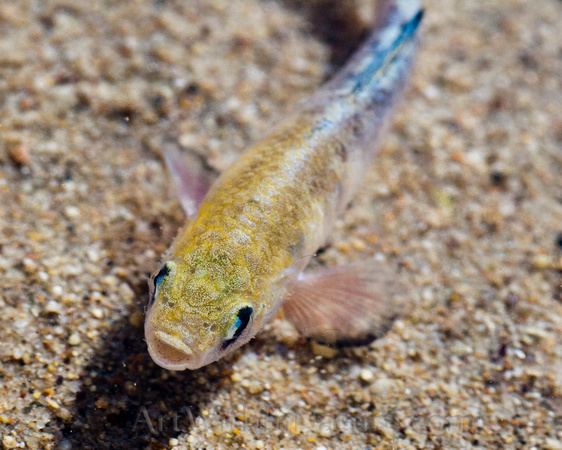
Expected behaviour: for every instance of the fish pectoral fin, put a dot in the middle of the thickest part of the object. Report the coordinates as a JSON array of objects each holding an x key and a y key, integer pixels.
[
  {"x": 188, "y": 180},
  {"x": 348, "y": 305}
]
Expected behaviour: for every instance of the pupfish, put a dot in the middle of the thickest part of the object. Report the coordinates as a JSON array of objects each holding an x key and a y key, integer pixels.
[{"x": 248, "y": 238}]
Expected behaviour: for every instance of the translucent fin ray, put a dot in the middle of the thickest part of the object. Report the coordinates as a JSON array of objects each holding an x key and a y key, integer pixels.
[{"x": 343, "y": 305}]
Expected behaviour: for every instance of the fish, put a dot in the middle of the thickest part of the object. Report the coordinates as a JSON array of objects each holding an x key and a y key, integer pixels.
[{"x": 241, "y": 258}]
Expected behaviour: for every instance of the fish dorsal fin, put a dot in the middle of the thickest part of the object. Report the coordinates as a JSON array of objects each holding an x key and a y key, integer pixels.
[
  {"x": 189, "y": 183},
  {"x": 347, "y": 305}
]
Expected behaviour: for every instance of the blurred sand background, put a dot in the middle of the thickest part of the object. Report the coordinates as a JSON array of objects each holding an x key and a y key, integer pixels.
[{"x": 464, "y": 201}]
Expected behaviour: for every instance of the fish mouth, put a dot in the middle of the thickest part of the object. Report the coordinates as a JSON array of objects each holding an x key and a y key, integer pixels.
[
  {"x": 173, "y": 352},
  {"x": 169, "y": 351}
]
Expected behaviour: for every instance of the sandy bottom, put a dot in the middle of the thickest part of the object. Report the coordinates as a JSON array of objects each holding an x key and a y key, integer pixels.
[{"x": 464, "y": 202}]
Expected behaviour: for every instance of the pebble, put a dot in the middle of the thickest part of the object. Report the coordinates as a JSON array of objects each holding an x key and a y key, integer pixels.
[
  {"x": 9, "y": 442},
  {"x": 43, "y": 276},
  {"x": 74, "y": 339},
  {"x": 236, "y": 377},
  {"x": 53, "y": 307},
  {"x": 383, "y": 387},
  {"x": 72, "y": 212},
  {"x": 324, "y": 351},
  {"x": 136, "y": 319},
  {"x": 19, "y": 155},
  {"x": 52, "y": 403},
  {"x": 366, "y": 375},
  {"x": 552, "y": 444},
  {"x": 97, "y": 313},
  {"x": 293, "y": 428},
  {"x": 326, "y": 431},
  {"x": 285, "y": 332},
  {"x": 542, "y": 262},
  {"x": 57, "y": 290}
]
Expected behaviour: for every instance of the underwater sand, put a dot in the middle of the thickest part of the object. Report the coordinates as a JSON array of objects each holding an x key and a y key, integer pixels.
[{"x": 463, "y": 201}]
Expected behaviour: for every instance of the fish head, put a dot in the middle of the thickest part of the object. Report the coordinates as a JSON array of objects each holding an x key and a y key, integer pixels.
[{"x": 201, "y": 311}]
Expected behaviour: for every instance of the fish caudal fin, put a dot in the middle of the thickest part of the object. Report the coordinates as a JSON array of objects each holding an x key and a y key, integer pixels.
[
  {"x": 404, "y": 8},
  {"x": 189, "y": 183},
  {"x": 348, "y": 305}
]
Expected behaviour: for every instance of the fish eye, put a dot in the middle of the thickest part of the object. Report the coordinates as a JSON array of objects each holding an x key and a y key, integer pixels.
[
  {"x": 165, "y": 270},
  {"x": 157, "y": 279},
  {"x": 242, "y": 320}
]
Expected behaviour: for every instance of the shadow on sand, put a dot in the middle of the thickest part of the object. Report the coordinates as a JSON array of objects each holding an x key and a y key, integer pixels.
[
  {"x": 337, "y": 23},
  {"x": 126, "y": 401}
]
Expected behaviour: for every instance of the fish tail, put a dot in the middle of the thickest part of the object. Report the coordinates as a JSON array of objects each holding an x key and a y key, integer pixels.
[
  {"x": 387, "y": 53},
  {"x": 405, "y": 9}
]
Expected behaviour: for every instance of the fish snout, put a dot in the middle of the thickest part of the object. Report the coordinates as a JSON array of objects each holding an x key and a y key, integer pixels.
[{"x": 169, "y": 352}]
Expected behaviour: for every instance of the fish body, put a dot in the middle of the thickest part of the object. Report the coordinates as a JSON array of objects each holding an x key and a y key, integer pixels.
[{"x": 242, "y": 254}]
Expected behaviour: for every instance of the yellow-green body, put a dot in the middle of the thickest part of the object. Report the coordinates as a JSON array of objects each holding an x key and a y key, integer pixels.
[
  {"x": 260, "y": 224},
  {"x": 265, "y": 216}
]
